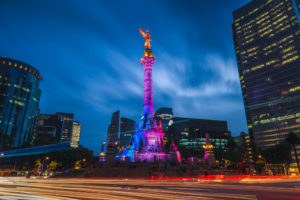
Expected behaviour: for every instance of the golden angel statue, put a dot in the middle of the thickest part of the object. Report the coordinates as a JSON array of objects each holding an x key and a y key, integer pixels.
[{"x": 146, "y": 36}]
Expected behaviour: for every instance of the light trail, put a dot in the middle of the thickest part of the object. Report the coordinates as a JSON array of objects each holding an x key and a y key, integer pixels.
[{"x": 92, "y": 189}]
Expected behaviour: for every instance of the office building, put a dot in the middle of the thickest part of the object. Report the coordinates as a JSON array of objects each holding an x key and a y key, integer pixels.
[
  {"x": 266, "y": 36},
  {"x": 76, "y": 134},
  {"x": 113, "y": 137},
  {"x": 67, "y": 125},
  {"x": 245, "y": 145},
  {"x": 113, "y": 128},
  {"x": 127, "y": 130},
  {"x": 190, "y": 135},
  {"x": 57, "y": 128},
  {"x": 19, "y": 102},
  {"x": 164, "y": 115},
  {"x": 48, "y": 129}
]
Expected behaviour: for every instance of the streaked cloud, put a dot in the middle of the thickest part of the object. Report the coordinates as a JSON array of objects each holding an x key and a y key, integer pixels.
[{"x": 89, "y": 56}]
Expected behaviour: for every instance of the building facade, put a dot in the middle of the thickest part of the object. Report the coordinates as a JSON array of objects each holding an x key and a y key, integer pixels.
[
  {"x": 76, "y": 132},
  {"x": 113, "y": 128},
  {"x": 57, "y": 128},
  {"x": 48, "y": 129},
  {"x": 267, "y": 43},
  {"x": 164, "y": 115},
  {"x": 112, "y": 147},
  {"x": 244, "y": 144},
  {"x": 67, "y": 120},
  {"x": 19, "y": 102},
  {"x": 127, "y": 130},
  {"x": 190, "y": 135}
]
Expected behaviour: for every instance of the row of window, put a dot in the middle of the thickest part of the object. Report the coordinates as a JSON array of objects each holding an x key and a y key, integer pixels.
[
  {"x": 274, "y": 137},
  {"x": 23, "y": 68},
  {"x": 16, "y": 102},
  {"x": 285, "y": 43},
  {"x": 271, "y": 26},
  {"x": 285, "y": 61},
  {"x": 271, "y": 120},
  {"x": 294, "y": 126}
]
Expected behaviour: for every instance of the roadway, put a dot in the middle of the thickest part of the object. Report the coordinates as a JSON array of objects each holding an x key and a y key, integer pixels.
[{"x": 92, "y": 189}]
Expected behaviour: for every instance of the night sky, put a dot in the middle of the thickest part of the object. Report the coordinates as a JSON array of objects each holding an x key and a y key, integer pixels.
[{"x": 88, "y": 53}]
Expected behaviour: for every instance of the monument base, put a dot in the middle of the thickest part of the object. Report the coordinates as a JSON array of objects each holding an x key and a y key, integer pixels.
[{"x": 151, "y": 157}]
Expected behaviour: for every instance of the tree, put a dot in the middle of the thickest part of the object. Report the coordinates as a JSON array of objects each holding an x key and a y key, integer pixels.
[
  {"x": 279, "y": 154},
  {"x": 52, "y": 166},
  {"x": 293, "y": 140},
  {"x": 38, "y": 165},
  {"x": 62, "y": 160},
  {"x": 232, "y": 155},
  {"x": 77, "y": 165}
]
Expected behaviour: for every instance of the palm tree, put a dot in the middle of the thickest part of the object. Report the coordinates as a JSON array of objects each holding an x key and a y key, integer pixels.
[{"x": 293, "y": 140}]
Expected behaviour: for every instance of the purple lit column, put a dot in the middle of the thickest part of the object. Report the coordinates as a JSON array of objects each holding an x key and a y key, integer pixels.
[{"x": 148, "y": 94}]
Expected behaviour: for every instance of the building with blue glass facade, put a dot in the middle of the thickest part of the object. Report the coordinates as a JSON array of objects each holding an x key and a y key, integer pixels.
[
  {"x": 19, "y": 102},
  {"x": 266, "y": 36}
]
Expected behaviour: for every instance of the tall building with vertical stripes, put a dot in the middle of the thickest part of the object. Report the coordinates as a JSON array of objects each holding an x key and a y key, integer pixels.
[
  {"x": 19, "y": 102},
  {"x": 114, "y": 128},
  {"x": 266, "y": 36}
]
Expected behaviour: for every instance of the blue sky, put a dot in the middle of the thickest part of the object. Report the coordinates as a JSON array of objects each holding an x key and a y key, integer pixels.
[{"x": 88, "y": 53}]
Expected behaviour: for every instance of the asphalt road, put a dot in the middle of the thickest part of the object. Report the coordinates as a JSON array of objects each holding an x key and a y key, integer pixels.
[{"x": 89, "y": 189}]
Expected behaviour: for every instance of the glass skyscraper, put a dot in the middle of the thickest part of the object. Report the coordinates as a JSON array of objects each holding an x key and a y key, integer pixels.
[
  {"x": 113, "y": 128},
  {"x": 127, "y": 130},
  {"x": 19, "y": 101},
  {"x": 266, "y": 36}
]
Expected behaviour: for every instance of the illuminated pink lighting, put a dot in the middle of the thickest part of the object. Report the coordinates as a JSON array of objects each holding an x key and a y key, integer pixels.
[
  {"x": 147, "y": 144},
  {"x": 148, "y": 91}
]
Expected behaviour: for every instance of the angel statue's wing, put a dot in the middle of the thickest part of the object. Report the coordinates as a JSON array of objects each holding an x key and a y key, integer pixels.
[{"x": 142, "y": 32}]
